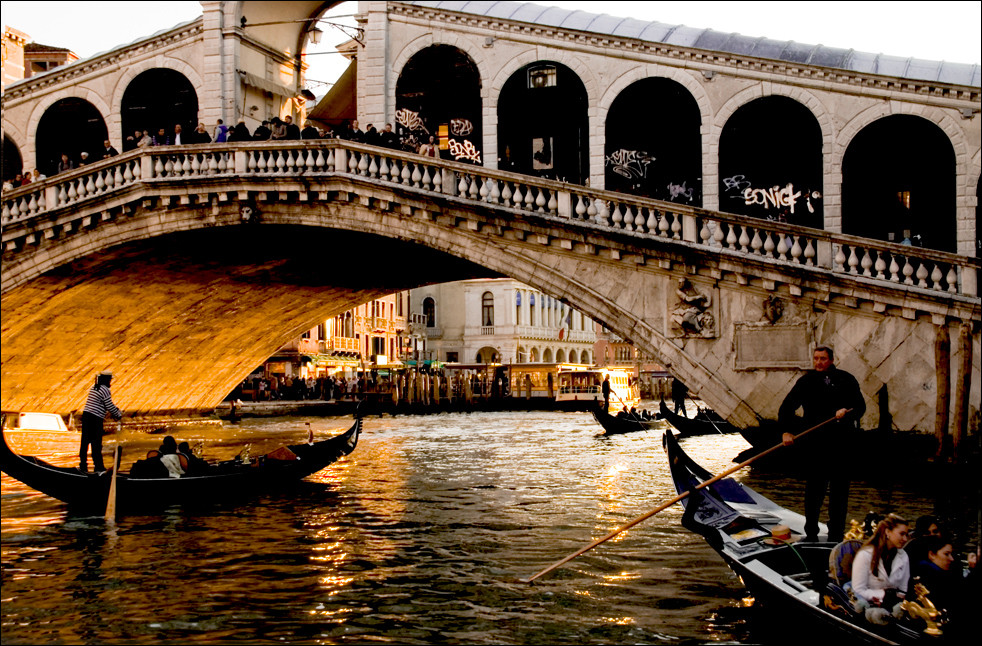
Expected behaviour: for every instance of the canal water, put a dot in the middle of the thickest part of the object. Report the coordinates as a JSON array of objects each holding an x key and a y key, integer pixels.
[{"x": 420, "y": 536}]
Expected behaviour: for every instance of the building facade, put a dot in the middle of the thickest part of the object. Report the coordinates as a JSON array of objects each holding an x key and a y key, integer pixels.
[{"x": 500, "y": 320}]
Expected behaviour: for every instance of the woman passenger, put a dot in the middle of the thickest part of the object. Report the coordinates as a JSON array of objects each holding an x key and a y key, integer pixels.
[{"x": 881, "y": 571}]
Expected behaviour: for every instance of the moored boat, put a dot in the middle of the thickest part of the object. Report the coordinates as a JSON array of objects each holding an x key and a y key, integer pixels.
[
  {"x": 218, "y": 482},
  {"x": 788, "y": 579}
]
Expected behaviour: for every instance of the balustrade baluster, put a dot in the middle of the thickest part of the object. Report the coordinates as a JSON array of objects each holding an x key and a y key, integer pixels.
[
  {"x": 894, "y": 269},
  {"x": 580, "y": 208},
  {"x": 5, "y": 212},
  {"x": 908, "y": 271},
  {"x": 406, "y": 174},
  {"x": 553, "y": 204},
  {"x": 663, "y": 226},
  {"x": 676, "y": 226},
  {"x": 159, "y": 169},
  {"x": 281, "y": 161},
  {"x": 744, "y": 239},
  {"x": 473, "y": 190},
  {"x": 438, "y": 180},
  {"x": 769, "y": 245},
  {"x": 485, "y": 191},
  {"x": 529, "y": 199},
  {"x": 62, "y": 195},
  {"x": 505, "y": 194},
  {"x": 261, "y": 164},
  {"x": 352, "y": 162},
  {"x": 72, "y": 193},
  {"x": 880, "y": 266},
  {"x": 853, "y": 260},
  {"x": 90, "y": 186},
  {"x": 186, "y": 165},
  {"x": 936, "y": 276},
  {"x": 462, "y": 186},
  {"x": 731, "y": 237},
  {"x": 517, "y": 198},
  {"x": 922, "y": 274},
  {"x": 32, "y": 205},
  {"x": 866, "y": 263},
  {"x": 810, "y": 253},
  {"x": 196, "y": 165},
  {"x": 310, "y": 161},
  {"x": 540, "y": 201},
  {"x": 603, "y": 212},
  {"x": 704, "y": 233},
  {"x": 373, "y": 168},
  {"x": 118, "y": 178},
  {"x": 216, "y": 163},
  {"x": 756, "y": 244},
  {"x": 718, "y": 235},
  {"x": 329, "y": 162},
  {"x": 416, "y": 176},
  {"x": 952, "y": 280},
  {"x": 796, "y": 250},
  {"x": 427, "y": 178},
  {"x": 14, "y": 210},
  {"x": 383, "y": 168},
  {"x": 617, "y": 219},
  {"x": 840, "y": 258}
]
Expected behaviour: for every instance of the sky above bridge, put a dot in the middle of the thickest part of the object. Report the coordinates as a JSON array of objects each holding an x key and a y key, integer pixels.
[{"x": 950, "y": 31}]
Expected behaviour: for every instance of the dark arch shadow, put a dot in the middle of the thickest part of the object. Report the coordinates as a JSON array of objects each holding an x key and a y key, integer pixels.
[
  {"x": 158, "y": 98},
  {"x": 770, "y": 162},
  {"x": 898, "y": 182},
  {"x": 653, "y": 144},
  {"x": 543, "y": 123},
  {"x": 70, "y": 126},
  {"x": 12, "y": 162},
  {"x": 440, "y": 86}
]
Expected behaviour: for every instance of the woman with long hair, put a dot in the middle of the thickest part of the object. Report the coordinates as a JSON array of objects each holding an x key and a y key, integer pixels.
[{"x": 881, "y": 571}]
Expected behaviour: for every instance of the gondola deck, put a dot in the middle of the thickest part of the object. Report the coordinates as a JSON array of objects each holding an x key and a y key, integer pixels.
[
  {"x": 787, "y": 578},
  {"x": 219, "y": 482}
]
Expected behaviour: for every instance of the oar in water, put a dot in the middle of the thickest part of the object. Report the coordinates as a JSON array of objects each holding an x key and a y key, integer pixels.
[
  {"x": 708, "y": 418},
  {"x": 117, "y": 454},
  {"x": 668, "y": 504}
]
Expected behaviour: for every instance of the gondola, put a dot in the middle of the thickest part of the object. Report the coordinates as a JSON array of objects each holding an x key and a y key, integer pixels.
[
  {"x": 614, "y": 425},
  {"x": 703, "y": 424},
  {"x": 789, "y": 580},
  {"x": 218, "y": 482}
]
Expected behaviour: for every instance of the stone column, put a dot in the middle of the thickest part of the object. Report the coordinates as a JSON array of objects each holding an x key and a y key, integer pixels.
[{"x": 942, "y": 363}]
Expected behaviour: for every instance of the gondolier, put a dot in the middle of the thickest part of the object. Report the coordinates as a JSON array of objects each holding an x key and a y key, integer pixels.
[
  {"x": 97, "y": 406},
  {"x": 823, "y": 393}
]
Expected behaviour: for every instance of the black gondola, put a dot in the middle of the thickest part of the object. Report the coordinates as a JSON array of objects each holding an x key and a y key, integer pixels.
[
  {"x": 703, "y": 424},
  {"x": 789, "y": 580},
  {"x": 218, "y": 482},
  {"x": 615, "y": 425}
]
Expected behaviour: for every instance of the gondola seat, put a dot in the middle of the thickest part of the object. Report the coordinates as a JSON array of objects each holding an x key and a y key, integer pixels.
[{"x": 838, "y": 596}]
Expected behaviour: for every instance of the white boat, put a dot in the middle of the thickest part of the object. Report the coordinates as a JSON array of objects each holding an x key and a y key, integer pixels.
[{"x": 586, "y": 385}]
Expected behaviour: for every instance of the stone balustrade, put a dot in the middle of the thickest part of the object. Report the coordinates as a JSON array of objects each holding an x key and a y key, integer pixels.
[{"x": 740, "y": 238}]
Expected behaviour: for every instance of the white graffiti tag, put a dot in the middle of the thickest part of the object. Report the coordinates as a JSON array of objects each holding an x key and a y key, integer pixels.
[
  {"x": 629, "y": 163},
  {"x": 737, "y": 182},
  {"x": 464, "y": 150},
  {"x": 774, "y": 196},
  {"x": 410, "y": 120},
  {"x": 461, "y": 127},
  {"x": 674, "y": 191}
]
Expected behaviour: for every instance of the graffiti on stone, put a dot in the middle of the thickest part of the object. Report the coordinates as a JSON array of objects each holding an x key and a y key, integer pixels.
[
  {"x": 464, "y": 150},
  {"x": 631, "y": 164},
  {"x": 461, "y": 127},
  {"x": 410, "y": 120},
  {"x": 676, "y": 191}
]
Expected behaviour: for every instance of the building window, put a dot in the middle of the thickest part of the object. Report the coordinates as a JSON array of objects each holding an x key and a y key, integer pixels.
[
  {"x": 453, "y": 357},
  {"x": 542, "y": 76},
  {"x": 399, "y": 304},
  {"x": 487, "y": 309},
  {"x": 429, "y": 311}
]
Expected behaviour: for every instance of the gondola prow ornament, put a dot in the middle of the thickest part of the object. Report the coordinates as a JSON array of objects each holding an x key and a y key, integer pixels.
[{"x": 924, "y": 609}]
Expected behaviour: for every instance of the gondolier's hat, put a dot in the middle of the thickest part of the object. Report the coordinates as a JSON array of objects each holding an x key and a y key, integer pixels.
[{"x": 106, "y": 373}]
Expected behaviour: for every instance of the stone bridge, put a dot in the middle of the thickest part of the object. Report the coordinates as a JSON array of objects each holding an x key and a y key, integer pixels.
[{"x": 182, "y": 268}]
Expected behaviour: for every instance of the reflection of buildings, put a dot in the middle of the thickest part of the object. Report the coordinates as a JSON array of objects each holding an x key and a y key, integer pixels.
[
  {"x": 501, "y": 320},
  {"x": 369, "y": 336}
]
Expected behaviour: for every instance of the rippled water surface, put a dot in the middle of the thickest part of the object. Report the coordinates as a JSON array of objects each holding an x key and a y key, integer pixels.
[{"x": 420, "y": 536}]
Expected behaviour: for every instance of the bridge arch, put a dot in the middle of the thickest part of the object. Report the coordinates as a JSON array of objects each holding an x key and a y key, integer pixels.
[
  {"x": 441, "y": 85},
  {"x": 544, "y": 124},
  {"x": 72, "y": 127},
  {"x": 73, "y": 94},
  {"x": 124, "y": 85},
  {"x": 641, "y": 72},
  {"x": 158, "y": 98},
  {"x": 759, "y": 181},
  {"x": 661, "y": 159},
  {"x": 711, "y": 185},
  {"x": 898, "y": 183}
]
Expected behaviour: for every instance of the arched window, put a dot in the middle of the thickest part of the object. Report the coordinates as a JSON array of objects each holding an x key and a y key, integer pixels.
[
  {"x": 429, "y": 311},
  {"x": 487, "y": 309}
]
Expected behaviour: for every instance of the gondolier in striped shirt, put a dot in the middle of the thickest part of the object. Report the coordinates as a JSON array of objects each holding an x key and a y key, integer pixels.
[{"x": 97, "y": 406}]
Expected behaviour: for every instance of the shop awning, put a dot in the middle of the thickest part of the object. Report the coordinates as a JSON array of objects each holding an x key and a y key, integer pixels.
[{"x": 338, "y": 105}]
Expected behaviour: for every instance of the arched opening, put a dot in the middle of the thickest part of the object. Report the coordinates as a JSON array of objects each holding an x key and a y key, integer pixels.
[
  {"x": 560, "y": 356},
  {"x": 487, "y": 354},
  {"x": 68, "y": 127},
  {"x": 898, "y": 183},
  {"x": 770, "y": 163},
  {"x": 543, "y": 123},
  {"x": 487, "y": 309},
  {"x": 585, "y": 357},
  {"x": 12, "y": 163},
  {"x": 534, "y": 355},
  {"x": 158, "y": 98},
  {"x": 653, "y": 145},
  {"x": 521, "y": 355},
  {"x": 429, "y": 311},
  {"x": 438, "y": 94},
  {"x": 547, "y": 355}
]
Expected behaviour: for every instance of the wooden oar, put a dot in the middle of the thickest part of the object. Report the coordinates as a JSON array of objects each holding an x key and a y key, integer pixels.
[
  {"x": 633, "y": 415},
  {"x": 708, "y": 418},
  {"x": 668, "y": 504},
  {"x": 117, "y": 453}
]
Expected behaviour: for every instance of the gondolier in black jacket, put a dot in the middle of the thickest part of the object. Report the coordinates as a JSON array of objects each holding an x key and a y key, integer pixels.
[
  {"x": 822, "y": 394},
  {"x": 97, "y": 406}
]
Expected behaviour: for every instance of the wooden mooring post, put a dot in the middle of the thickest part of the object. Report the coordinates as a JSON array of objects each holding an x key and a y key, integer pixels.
[{"x": 942, "y": 363}]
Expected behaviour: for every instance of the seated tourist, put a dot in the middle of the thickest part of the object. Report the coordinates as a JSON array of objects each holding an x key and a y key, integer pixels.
[
  {"x": 881, "y": 571},
  {"x": 170, "y": 458},
  {"x": 195, "y": 464},
  {"x": 937, "y": 573}
]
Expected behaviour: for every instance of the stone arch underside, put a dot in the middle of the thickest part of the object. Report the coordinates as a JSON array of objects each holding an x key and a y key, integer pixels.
[{"x": 182, "y": 335}]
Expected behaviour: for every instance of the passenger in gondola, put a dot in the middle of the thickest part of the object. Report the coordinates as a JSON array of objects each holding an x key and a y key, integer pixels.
[
  {"x": 881, "y": 572},
  {"x": 196, "y": 465},
  {"x": 945, "y": 583},
  {"x": 926, "y": 527},
  {"x": 170, "y": 458}
]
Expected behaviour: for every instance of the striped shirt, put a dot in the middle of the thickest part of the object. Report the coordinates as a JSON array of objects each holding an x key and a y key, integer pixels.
[{"x": 100, "y": 402}]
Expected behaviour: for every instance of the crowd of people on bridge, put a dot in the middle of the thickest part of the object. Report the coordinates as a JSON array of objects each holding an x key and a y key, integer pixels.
[{"x": 274, "y": 129}]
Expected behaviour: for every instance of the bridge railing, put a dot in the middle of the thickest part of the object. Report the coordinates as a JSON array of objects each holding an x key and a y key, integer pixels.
[{"x": 740, "y": 237}]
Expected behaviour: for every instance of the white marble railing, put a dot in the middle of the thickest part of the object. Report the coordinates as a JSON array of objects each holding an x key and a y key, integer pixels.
[{"x": 730, "y": 235}]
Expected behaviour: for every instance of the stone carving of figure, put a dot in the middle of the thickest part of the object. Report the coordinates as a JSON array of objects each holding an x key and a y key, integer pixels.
[{"x": 691, "y": 315}]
